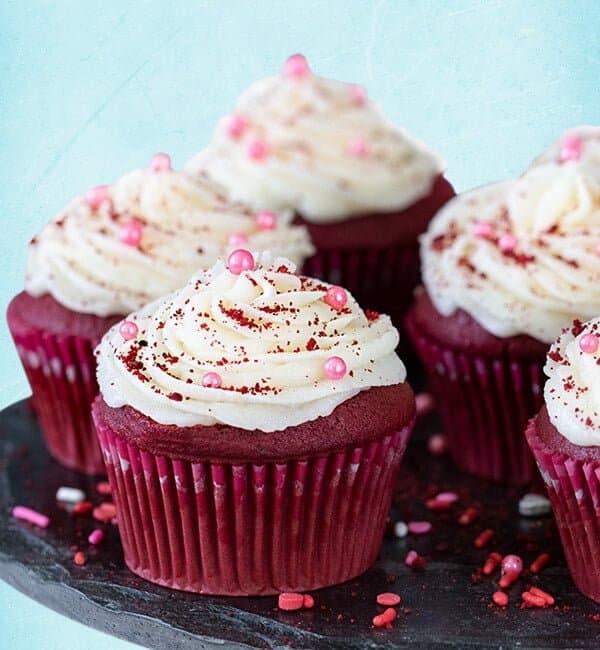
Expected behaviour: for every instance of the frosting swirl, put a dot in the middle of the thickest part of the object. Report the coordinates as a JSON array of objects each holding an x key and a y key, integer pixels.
[
  {"x": 586, "y": 140},
  {"x": 262, "y": 339},
  {"x": 185, "y": 224},
  {"x": 572, "y": 392},
  {"x": 329, "y": 153},
  {"x": 521, "y": 257}
]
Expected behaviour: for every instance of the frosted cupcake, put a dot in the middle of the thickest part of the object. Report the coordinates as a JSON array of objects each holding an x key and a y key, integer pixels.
[
  {"x": 252, "y": 425},
  {"x": 363, "y": 187},
  {"x": 565, "y": 439},
  {"x": 505, "y": 268},
  {"x": 107, "y": 253}
]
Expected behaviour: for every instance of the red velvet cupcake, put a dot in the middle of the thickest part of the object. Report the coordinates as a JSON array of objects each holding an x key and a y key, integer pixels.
[
  {"x": 565, "y": 440},
  {"x": 505, "y": 267},
  {"x": 107, "y": 253},
  {"x": 363, "y": 187},
  {"x": 252, "y": 426}
]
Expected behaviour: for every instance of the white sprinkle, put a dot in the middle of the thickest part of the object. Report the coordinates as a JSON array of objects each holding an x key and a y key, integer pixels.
[
  {"x": 534, "y": 505},
  {"x": 70, "y": 495},
  {"x": 400, "y": 529}
]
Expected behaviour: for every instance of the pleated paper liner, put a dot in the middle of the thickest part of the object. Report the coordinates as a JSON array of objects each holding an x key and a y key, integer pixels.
[
  {"x": 62, "y": 374},
  {"x": 574, "y": 490},
  {"x": 485, "y": 404},
  {"x": 251, "y": 529}
]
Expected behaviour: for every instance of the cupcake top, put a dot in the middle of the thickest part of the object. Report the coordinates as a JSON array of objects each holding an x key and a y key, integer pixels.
[
  {"x": 521, "y": 256},
  {"x": 579, "y": 143},
  {"x": 251, "y": 345},
  {"x": 117, "y": 248},
  {"x": 316, "y": 146},
  {"x": 572, "y": 391}
]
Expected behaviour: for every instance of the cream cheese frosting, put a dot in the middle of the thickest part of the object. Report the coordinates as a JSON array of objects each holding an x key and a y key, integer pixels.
[
  {"x": 572, "y": 392},
  {"x": 580, "y": 142},
  {"x": 319, "y": 147},
  {"x": 83, "y": 260},
  {"x": 520, "y": 256},
  {"x": 248, "y": 350}
]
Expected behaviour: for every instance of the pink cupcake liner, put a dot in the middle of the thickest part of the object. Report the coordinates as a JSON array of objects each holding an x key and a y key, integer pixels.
[
  {"x": 251, "y": 529},
  {"x": 484, "y": 403},
  {"x": 574, "y": 491},
  {"x": 62, "y": 374}
]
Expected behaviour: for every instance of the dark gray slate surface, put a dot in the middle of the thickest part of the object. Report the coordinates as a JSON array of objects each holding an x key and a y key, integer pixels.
[{"x": 449, "y": 604}]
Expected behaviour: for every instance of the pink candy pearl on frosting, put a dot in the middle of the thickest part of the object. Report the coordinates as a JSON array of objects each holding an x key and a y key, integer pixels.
[
  {"x": 571, "y": 146},
  {"x": 130, "y": 233},
  {"x": 483, "y": 229},
  {"x": 358, "y": 147},
  {"x": 161, "y": 162},
  {"x": 257, "y": 150},
  {"x": 238, "y": 239},
  {"x": 96, "y": 196},
  {"x": 211, "y": 380},
  {"x": 266, "y": 220},
  {"x": 296, "y": 66},
  {"x": 507, "y": 242},
  {"x": 358, "y": 95},
  {"x": 128, "y": 330},
  {"x": 589, "y": 343},
  {"x": 336, "y": 297},
  {"x": 335, "y": 367},
  {"x": 240, "y": 260},
  {"x": 512, "y": 564},
  {"x": 235, "y": 125}
]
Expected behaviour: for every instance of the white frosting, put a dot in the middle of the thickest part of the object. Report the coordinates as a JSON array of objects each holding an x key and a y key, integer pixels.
[
  {"x": 308, "y": 125},
  {"x": 80, "y": 260},
  {"x": 590, "y": 151},
  {"x": 266, "y": 332},
  {"x": 572, "y": 392},
  {"x": 553, "y": 274}
]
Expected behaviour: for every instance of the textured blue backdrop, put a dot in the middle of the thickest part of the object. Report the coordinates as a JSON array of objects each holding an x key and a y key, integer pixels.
[{"x": 92, "y": 89}]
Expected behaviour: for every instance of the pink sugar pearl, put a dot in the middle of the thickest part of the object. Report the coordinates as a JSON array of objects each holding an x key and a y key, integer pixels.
[
  {"x": 358, "y": 95},
  {"x": 512, "y": 564},
  {"x": 161, "y": 162},
  {"x": 589, "y": 343},
  {"x": 335, "y": 367},
  {"x": 257, "y": 150},
  {"x": 507, "y": 242},
  {"x": 266, "y": 220},
  {"x": 128, "y": 330},
  {"x": 211, "y": 380},
  {"x": 235, "y": 125},
  {"x": 96, "y": 196},
  {"x": 571, "y": 146},
  {"x": 336, "y": 297},
  {"x": 240, "y": 260},
  {"x": 238, "y": 239},
  {"x": 130, "y": 233},
  {"x": 358, "y": 147},
  {"x": 296, "y": 67},
  {"x": 483, "y": 229}
]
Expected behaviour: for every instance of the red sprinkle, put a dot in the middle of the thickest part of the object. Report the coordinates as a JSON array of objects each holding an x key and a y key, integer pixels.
[
  {"x": 436, "y": 504},
  {"x": 389, "y": 615},
  {"x": 500, "y": 598},
  {"x": 81, "y": 508},
  {"x": 491, "y": 563},
  {"x": 388, "y": 599},
  {"x": 378, "y": 621},
  {"x": 483, "y": 538},
  {"x": 540, "y": 593},
  {"x": 105, "y": 512},
  {"x": 80, "y": 559},
  {"x": 539, "y": 563},
  {"x": 533, "y": 601},
  {"x": 468, "y": 516},
  {"x": 508, "y": 578},
  {"x": 308, "y": 602},
  {"x": 103, "y": 487},
  {"x": 290, "y": 602}
]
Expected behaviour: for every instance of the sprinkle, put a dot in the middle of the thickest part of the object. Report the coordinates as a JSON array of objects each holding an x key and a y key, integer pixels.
[
  {"x": 388, "y": 599},
  {"x": 266, "y": 220},
  {"x": 483, "y": 538},
  {"x": 414, "y": 560},
  {"x": 289, "y": 602},
  {"x": 308, "y": 602},
  {"x": 389, "y": 615},
  {"x": 80, "y": 558},
  {"x": 240, "y": 260},
  {"x": 358, "y": 95},
  {"x": 336, "y": 297},
  {"x": 598, "y": 249},
  {"x": 212, "y": 380},
  {"x": 570, "y": 147},
  {"x": 419, "y": 527},
  {"x": 104, "y": 512},
  {"x": 437, "y": 444},
  {"x": 358, "y": 147},
  {"x": 512, "y": 563},
  {"x": 534, "y": 505},
  {"x": 400, "y": 529},
  {"x": 130, "y": 233},
  {"x": 507, "y": 242},
  {"x": 335, "y": 368},
  {"x": 234, "y": 125},
  {"x": 589, "y": 343},
  {"x": 70, "y": 495},
  {"x": 31, "y": 516},
  {"x": 96, "y": 536},
  {"x": 96, "y": 196},
  {"x": 508, "y": 578},
  {"x": 493, "y": 561},
  {"x": 500, "y": 598},
  {"x": 128, "y": 330},
  {"x": 539, "y": 563},
  {"x": 532, "y": 601},
  {"x": 238, "y": 239},
  {"x": 257, "y": 150},
  {"x": 442, "y": 501},
  {"x": 540, "y": 593},
  {"x": 161, "y": 162},
  {"x": 425, "y": 403},
  {"x": 82, "y": 508},
  {"x": 103, "y": 487},
  {"x": 468, "y": 516},
  {"x": 378, "y": 621},
  {"x": 483, "y": 229},
  {"x": 296, "y": 67}
]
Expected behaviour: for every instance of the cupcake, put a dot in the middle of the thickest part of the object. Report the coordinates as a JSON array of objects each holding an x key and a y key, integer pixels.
[
  {"x": 565, "y": 439},
  {"x": 252, "y": 425},
  {"x": 107, "y": 253},
  {"x": 363, "y": 187},
  {"x": 505, "y": 268}
]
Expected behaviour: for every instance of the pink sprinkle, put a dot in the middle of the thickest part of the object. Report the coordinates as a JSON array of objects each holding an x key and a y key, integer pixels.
[
  {"x": 483, "y": 229},
  {"x": 598, "y": 249},
  {"x": 266, "y": 220},
  {"x": 103, "y": 487},
  {"x": 358, "y": 147},
  {"x": 296, "y": 67},
  {"x": 130, "y": 233},
  {"x": 447, "y": 497},
  {"x": 425, "y": 403},
  {"x": 336, "y": 297},
  {"x": 335, "y": 367},
  {"x": 235, "y": 125},
  {"x": 257, "y": 150},
  {"x": 240, "y": 260},
  {"x": 212, "y": 380},
  {"x": 512, "y": 564},
  {"x": 358, "y": 94},
  {"x": 589, "y": 343},
  {"x": 161, "y": 162},
  {"x": 412, "y": 558},
  {"x": 104, "y": 512},
  {"x": 571, "y": 146},
  {"x": 419, "y": 527},
  {"x": 31, "y": 516},
  {"x": 238, "y": 239},
  {"x": 128, "y": 330},
  {"x": 96, "y": 536},
  {"x": 437, "y": 444},
  {"x": 507, "y": 242},
  {"x": 96, "y": 196}
]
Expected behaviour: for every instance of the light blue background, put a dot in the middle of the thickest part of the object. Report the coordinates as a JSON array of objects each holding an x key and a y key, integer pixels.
[{"x": 90, "y": 90}]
